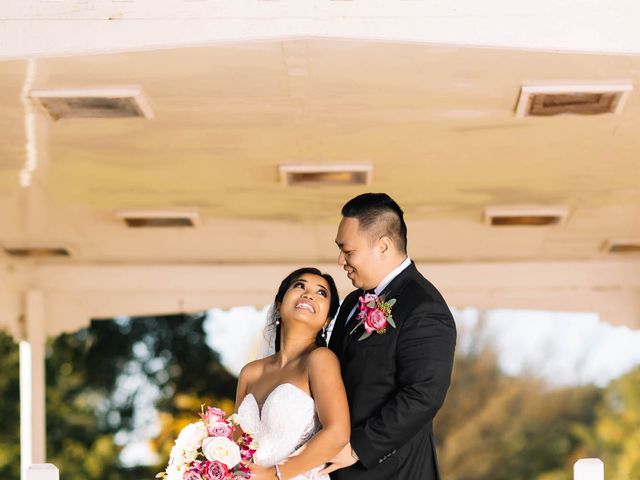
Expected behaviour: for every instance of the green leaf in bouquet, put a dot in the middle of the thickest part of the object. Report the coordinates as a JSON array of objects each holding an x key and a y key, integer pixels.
[
  {"x": 391, "y": 302},
  {"x": 391, "y": 322},
  {"x": 364, "y": 336}
]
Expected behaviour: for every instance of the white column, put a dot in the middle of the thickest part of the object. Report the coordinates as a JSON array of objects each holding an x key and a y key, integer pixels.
[
  {"x": 43, "y": 471},
  {"x": 588, "y": 469},
  {"x": 32, "y": 382}
]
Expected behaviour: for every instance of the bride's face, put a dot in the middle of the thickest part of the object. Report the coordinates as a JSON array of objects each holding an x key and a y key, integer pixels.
[{"x": 307, "y": 300}]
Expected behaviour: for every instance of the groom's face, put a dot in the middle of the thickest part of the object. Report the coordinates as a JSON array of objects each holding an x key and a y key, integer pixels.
[{"x": 359, "y": 255}]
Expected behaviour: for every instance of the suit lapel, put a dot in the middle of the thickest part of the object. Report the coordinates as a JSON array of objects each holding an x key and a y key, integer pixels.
[
  {"x": 350, "y": 322},
  {"x": 396, "y": 286},
  {"x": 336, "y": 341},
  {"x": 352, "y": 329}
]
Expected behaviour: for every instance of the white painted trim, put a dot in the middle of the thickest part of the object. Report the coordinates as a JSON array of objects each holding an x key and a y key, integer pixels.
[
  {"x": 31, "y": 28},
  {"x": 31, "y": 147}
]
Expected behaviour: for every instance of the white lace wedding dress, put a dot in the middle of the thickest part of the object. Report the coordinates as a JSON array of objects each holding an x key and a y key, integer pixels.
[{"x": 287, "y": 421}]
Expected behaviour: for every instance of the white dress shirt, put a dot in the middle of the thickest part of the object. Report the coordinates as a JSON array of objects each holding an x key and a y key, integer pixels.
[{"x": 389, "y": 278}]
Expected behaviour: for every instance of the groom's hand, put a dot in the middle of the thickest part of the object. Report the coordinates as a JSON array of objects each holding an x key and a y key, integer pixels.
[{"x": 345, "y": 458}]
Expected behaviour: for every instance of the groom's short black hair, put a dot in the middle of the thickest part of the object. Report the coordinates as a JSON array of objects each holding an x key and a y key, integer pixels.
[{"x": 379, "y": 214}]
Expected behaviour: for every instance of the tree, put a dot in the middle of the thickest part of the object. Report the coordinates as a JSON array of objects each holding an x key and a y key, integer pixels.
[
  {"x": 95, "y": 381},
  {"x": 498, "y": 427},
  {"x": 9, "y": 406},
  {"x": 616, "y": 435}
]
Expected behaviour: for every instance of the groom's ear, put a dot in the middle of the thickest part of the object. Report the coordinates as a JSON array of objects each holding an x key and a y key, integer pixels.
[{"x": 385, "y": 245}]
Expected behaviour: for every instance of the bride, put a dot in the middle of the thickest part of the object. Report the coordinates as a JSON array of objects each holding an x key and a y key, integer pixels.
[{"x": 296, "y": 397}]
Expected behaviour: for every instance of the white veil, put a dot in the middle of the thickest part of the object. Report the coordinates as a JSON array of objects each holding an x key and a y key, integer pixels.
[{"x": 268, "y": 344}]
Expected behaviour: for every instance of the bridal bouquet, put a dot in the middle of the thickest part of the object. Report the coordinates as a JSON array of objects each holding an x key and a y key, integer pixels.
[{"x": 206, "y": 450}]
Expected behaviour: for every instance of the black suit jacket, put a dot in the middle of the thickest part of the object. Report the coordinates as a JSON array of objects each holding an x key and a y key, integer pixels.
[{"x": 397, "y": 381}]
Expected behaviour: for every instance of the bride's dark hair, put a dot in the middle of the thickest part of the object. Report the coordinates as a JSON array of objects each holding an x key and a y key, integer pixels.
[{"x": 334, "y": 301}]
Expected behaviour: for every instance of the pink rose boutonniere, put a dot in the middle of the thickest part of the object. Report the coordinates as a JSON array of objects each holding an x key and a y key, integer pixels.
[{"x": 374, "y": 314}]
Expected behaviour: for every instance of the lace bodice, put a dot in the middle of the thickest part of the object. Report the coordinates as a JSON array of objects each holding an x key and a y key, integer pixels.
[{"x": 287, "y": 421}]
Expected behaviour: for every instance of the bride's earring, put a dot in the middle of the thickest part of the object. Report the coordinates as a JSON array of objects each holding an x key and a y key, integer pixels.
[
  {"x": 277, "y": 315},
  {"x": 324, "y": 333}
]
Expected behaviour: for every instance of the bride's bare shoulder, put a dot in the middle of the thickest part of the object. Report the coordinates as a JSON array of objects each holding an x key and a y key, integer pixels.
[
  {"x": 321, "y": 357},
  {"x": 253, "y": 370}
]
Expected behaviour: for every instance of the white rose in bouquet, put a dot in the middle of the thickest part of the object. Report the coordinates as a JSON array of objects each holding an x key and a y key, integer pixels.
[
  {"x": 187, "y": 444},
  {"x": 174, "y": 473},
  {"x": 177, "y": 456},
  {"x": 191, "y": 436},
  {"x": 221, "y": 449}
]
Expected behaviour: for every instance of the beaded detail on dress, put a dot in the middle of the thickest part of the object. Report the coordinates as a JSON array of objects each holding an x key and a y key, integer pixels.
[{"x": 287, "y": 421}]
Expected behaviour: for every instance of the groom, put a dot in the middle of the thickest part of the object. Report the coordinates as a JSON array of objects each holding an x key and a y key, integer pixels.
[{"x": 396, "y": 381}]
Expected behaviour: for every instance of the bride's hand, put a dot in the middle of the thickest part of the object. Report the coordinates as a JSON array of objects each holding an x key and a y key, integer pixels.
[{"x": 262, "y": 473}]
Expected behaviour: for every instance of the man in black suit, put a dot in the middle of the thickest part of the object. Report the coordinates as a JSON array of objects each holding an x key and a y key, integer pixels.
[{"x": 396, "y": 381}]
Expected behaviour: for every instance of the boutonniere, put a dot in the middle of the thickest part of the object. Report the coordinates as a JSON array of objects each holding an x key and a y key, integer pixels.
[{"x": 374, "y": 314}]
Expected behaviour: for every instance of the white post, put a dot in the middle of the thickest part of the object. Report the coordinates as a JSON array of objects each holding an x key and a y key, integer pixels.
[
  {"x": 588, "y": 469},
  {"x": 32, "y": 383},
  {"x": 42, "y": 471}
]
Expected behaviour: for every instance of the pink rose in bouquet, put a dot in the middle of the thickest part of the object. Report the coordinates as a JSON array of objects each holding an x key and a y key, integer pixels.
[
  {"x": 221, "y": 428},
  {"x": 215, "y": 471},
  {"x": 212, "y": 415}
]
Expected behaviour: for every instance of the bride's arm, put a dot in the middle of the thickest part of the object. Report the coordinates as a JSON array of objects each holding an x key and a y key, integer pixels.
[{"x": 328, "y": 391}]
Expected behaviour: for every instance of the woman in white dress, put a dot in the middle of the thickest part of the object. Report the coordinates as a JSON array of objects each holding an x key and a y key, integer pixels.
[{"x": 295, "y": 398}]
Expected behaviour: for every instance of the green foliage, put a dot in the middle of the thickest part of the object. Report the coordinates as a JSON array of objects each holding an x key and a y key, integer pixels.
[
  {"x": 88, "y": 403},
  {"x": 509, "y": 428},
  {"x": 617, "y": 428},
  {"x": 9, "y": 401}
]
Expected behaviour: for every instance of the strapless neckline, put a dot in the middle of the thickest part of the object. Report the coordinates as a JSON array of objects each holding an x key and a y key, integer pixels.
[{"x": 271, "y": 393}]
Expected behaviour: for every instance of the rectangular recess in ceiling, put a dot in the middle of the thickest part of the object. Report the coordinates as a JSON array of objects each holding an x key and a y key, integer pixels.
[
  {"x": 93, "y": 103},
  {"x": 36, "y": 252},
  {"x": 532, "y": 216},
  {"x": 577, "y": 99},
  {"x": 159, "y": 218},
  {"x": 326, "y": 174},
  {"x": 623, "y": 246}
]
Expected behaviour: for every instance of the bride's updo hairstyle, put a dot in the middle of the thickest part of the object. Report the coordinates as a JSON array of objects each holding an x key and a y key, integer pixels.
[{"x": 334, "y": 301}]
